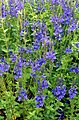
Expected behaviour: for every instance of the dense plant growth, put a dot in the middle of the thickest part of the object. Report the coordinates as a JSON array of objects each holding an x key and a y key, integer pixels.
[{"x": 39, "y": 60}]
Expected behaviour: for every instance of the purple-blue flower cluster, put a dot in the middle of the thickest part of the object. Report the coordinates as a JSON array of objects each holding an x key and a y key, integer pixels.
[
  {"x": 51, "y": 56},
  {"x": 18, "y": 69},
  {"x": 3, "y": 9},
  {"x": 22, "y": 94},
  {"x": 59, "y": 91},
  {"x": 4, "y": 66},
  {"x": 37, "y": 64},
  {"x": 74, "y": 69},
  {"x": 65, "y": 19},
  {"x": 13, "y": 57},
  {"x": 39, "y": 99},
  {"x": 72, "y": 92},
  {"x": 68, "y": 50},
  {"x": 15, "y": 7},
  {"x": 42, "y": 84}
]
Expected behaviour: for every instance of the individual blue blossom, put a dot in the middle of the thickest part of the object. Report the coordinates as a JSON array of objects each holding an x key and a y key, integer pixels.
[
  {"x": 72, "y": 27},
  {"x": 77, "y": 4},
  {"x": 40, "y": 100},
  {"x": 46, "y": 42},
  {"x": 34, "y": 67},
  {"x": 19, "y": 98},
  {"x": 61, "y": 117},
  {"x": 18, "y": 69},
  {"x": 1, "y": 69},
  {"x": 68, "y": 50},
  {"x": 74, "y": 69},
  {"x": 51, "y": 55},
  {"x": 33, "y": 75},
  {"x": 39, "y": 82},
  {"x": 13, "y": 57},
  {"x": 10, "y": 52},
  {"x": 55, "y": 2},
  {"x": 37, "y": 64},
  {"x": 26, "y": 63},
  {"x": 21, "y": 50},
  {"x": 39, "y": 8},
  {"x": 19, "y": 5},
  {"x": 58, "y": 37},
  {"x": 61, "y": 114},
  {"x": 59, "y": 91},
  {"x": 35, "y": 25},
  {"x": 22, "y": 94},
  {"x": 57, "y": 64},
  {"x": 44, "y": 84},
  {"x": 3, "y": 10},
  {"x": 4, "y": 67},
  {"x": 58, "y": 29},
  {"x": 2, "y": 59},
  {"x": 22, "y": 32},
  {"x": 72, "y": 92},
  {"x": 41, "y": 61},
  {"x": 25, "y": 23},
  {"x": 38, "y": 36},
  {"x": 43, "y": 76},
  {"x": 36, "y": 46},
  {"x": 29, "y": 50},
  {"x": 54, "y": 19}
]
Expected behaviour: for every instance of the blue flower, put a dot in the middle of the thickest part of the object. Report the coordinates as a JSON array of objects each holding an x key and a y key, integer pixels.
[
  {"x": 68, "y": 50},
  {"x": 2, "y": 59},
  {"x": 59, "y": 92},
  {"x": 15, "y": 6},
  {"x": 55, "y": 2},
  {"x": 36, "y": 46},
  {"x": 4, "y": 67},
  {"x": 22, "y": 94},
  {"x": 39, "y": 99},
  {"x": 77, "y": 5},
  {"x": 3, "y": 10},
  {"x": 22, "y": 32},
  {"x": 44, "y": 84},
  {"x": 74, "y": 69},
  {"x": 18, "y": 69},
  {"x": 33, "y": 75},
  {"x": 37, "y": 64},
  {"x": 25, "y": 23},
  {"x": 72, "y": 27},
  {"x": 51, "y": 56},
  {"x": 19, "y": 98},
  {"x": 72, "y": 92},
  {"x": 13, "y": 57}
]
